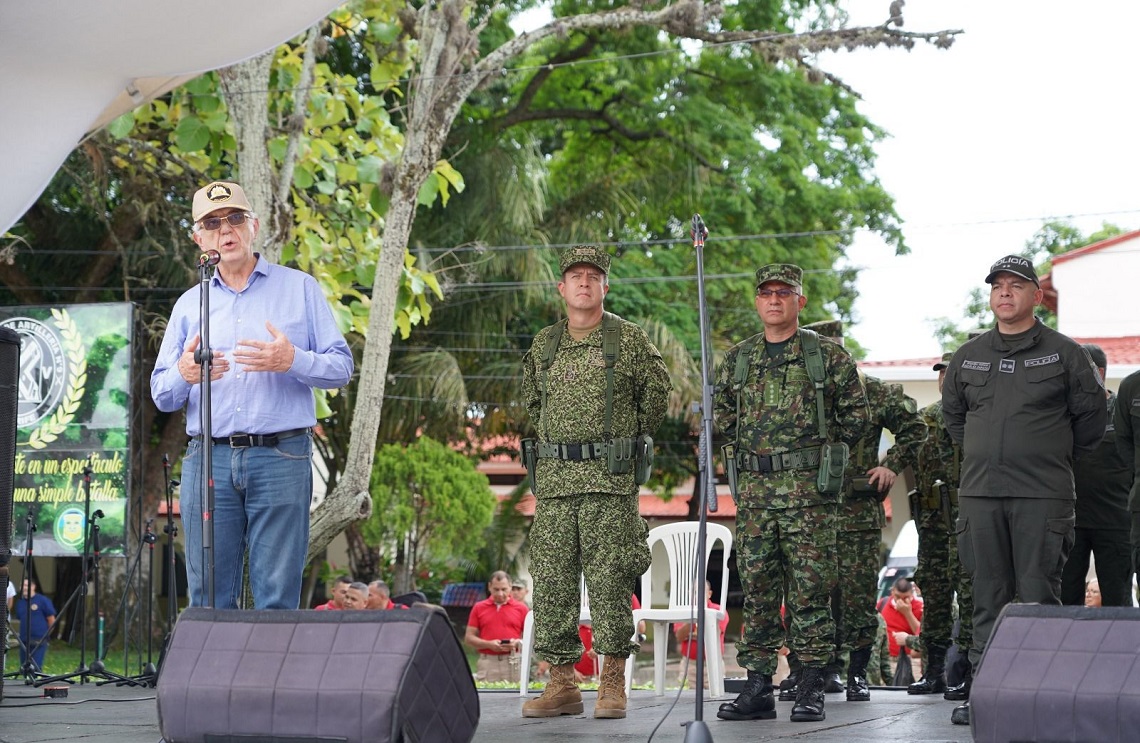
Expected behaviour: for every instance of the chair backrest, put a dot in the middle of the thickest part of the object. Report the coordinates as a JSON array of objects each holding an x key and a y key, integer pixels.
[
  {"x": 584, "y": 608},
  {"x": 680, "y": 541}
]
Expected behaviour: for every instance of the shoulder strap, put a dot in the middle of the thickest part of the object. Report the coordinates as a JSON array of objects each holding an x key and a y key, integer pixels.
[
  {"x": 611, "y": 351},
  {"x": 548, "y": 351},
  {"x": 813, "y": 360},
  {"x": 740, "y": 375}
]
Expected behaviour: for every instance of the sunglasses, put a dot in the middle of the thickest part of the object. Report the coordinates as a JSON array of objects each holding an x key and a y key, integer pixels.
[{"x": 237, "y": 219}]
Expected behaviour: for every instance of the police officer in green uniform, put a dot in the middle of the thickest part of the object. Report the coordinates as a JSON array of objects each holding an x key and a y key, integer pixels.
[
  {"x": 1103, "y": 480},
  {"x": 791, "y": 404},
  {"x": 1126, "y": 422},
  {"x": 934, "y": 508},
  {"x": 1023, "y": 402},
  {"x": 596, "y": 389}
]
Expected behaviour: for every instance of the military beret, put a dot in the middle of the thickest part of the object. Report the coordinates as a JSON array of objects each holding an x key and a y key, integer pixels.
[
  {"x": 592, "y": 254},
  {"x": 1015, "y": 265},
  {"x": 945, "y": 362},
  {"x": 785, "y": 273},
  {"x": 832, "y": 329}
]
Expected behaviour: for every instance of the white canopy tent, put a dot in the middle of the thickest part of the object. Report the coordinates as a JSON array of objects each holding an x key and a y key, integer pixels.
[{"x": 68, "y": 68}]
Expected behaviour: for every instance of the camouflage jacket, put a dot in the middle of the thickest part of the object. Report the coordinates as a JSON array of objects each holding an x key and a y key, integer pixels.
[
  {"x": 576, "y": 405},
  {"x": 938, "y": 459},
  {"x": 778, "y": 414},
  {"x": 894, "y": 410}
]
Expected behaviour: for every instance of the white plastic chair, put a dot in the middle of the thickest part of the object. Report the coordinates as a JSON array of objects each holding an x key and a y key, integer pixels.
[
  {"x": 528, "y": 637},
  {"x": 680, "y": 542}
]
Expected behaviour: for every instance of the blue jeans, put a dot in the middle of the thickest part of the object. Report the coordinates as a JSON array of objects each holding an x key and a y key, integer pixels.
[
  {"x": 38, "y": 646},
  {"x": 261, "y": 502}
]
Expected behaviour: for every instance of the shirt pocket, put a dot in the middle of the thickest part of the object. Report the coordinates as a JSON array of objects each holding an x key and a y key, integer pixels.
[
  {"x": 1046, "y": 387},
  {"x": 977, "y": 386}
]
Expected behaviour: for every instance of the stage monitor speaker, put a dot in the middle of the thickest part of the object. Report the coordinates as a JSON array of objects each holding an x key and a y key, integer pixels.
[
  {"x": 1059, "y": 673},
  {"x": 315, "y": 676}
]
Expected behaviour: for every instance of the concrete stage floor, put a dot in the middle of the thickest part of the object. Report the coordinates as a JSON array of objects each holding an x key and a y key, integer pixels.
[{"x": 109, "y": 714}]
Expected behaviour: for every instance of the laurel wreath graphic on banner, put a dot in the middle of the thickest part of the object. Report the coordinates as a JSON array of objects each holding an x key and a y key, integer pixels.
[{"x": 58, "y": 421}]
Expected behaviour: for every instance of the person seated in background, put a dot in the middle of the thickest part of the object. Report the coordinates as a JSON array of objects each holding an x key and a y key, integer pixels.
[
  {"x": 356, "y": 596},
  {"x": 495, "y": 628},
  {"x": 1092, "y": 593},
  {"x": 339, "y": 589},
  {"x": 686, "y": 645}
]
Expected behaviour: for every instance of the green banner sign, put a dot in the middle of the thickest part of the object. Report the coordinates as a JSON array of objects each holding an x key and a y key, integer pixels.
[{"x": 72, "y": 418}]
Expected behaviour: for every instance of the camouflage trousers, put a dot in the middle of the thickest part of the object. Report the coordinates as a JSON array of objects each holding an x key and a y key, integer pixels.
[
  {"x": 602, "y": 537},
  {"x": 939, "y": 575},
  {"x": 786, "y": 556},
  {"x": 858, "y": 553}
]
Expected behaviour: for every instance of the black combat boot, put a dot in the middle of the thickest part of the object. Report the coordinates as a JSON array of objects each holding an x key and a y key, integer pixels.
[
  {"x": 857, "y": 688},
  {"x": 809, "y": 696},
  {"x": 961, "y": 714},
  {"x": 832, "y": 684},
  {"x": 756, "y": 702},
  {"x": 960, "y": 692},
  {"x": 932, "y": 681},
  {"x": 788, "y": 686}
]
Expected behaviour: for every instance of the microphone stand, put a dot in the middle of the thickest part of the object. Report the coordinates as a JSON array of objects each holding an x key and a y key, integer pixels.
[
  {"x": 697, "y": 731},
  {"x": 204, "y": 358},
  {"x": 28, "y": 668},
  {"x": 171, "y": 564},
  {"x": 145, "y": 677}
]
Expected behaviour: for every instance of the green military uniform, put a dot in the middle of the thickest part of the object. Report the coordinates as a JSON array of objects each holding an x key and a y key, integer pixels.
[
  {"x": 1126, "y": 422},
  {"x": 587, "y": 519},
  {"x": 785, "y": 527},
  {"x": 940, "y": 574},
  {"x": 1103, "y": 481},
  {"x": 1022, "y": 407},
  {"x": 861, "y": 515}
]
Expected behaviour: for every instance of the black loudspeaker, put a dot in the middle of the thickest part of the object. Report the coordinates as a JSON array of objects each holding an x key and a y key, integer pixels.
[
  {"x": 9, "y": 397},
  {"x": 1059, "y": 673},
  {"x": 315, "y": 676}
]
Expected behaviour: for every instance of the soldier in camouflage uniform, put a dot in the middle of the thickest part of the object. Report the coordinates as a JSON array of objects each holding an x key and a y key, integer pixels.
[
  {"x": 939, "y": 573},
  {"x": 587, "y": 519},
  {"x": 861, "y": 521},
  {"x": 785, "y": 524}
]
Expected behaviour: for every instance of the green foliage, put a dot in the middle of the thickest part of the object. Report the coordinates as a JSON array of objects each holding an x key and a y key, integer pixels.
[{"x": 429, "y": 503}]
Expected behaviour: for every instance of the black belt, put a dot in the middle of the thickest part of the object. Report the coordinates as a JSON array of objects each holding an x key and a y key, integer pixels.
[
  {"x": 800, "y": 459},
  {"x": 246, "y": 440},
  {"x": 572, "y": 452}
]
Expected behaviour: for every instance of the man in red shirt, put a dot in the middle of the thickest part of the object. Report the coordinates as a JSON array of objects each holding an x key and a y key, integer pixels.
[
  {"x": 339, "y": 591},
  {"x": 688, "y": 648},
  {"x": 903, "y": 612},
  {"x": 495, "y": 629},
  {"x": 379, "y": 596}
]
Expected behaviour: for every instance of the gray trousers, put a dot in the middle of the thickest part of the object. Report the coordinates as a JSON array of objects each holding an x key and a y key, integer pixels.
[{"x": 1015, "y": 550}]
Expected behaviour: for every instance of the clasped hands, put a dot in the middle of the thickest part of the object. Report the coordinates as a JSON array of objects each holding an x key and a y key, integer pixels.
[{"x": 252, "y": 356}]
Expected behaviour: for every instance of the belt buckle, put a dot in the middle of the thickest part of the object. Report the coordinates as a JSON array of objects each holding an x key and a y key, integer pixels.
[{"x": 240, "y": 441}]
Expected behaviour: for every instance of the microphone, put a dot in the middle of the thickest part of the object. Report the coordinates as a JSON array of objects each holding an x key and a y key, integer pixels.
[{"x": 209, "y": 258}]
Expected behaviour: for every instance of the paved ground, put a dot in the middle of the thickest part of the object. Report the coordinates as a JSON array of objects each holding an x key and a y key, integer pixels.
[{"x": 109, "y": 714}]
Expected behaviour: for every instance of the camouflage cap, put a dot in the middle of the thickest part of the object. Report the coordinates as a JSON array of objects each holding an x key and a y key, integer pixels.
[
  {"x": 945, "y": 362},
  {"x": 832, "y": 329},
  {"x": 592, "y": 254},
  {"x": 785, "y": 273},
  {"x": 1015, "y": 265}
]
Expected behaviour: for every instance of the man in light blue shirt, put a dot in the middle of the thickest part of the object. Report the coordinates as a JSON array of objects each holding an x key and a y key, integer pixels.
[{"x": 274, "y": 339}]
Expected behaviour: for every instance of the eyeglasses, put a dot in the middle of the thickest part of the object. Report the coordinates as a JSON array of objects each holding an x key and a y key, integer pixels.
[
  {"x": 781, "y": 293},
  {"x": 237, "y": 219}
]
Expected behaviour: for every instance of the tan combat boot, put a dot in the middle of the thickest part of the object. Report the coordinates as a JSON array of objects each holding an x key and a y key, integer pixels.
[
  {"x": 560, "y": 697},
  {"x": 611, "y": 690}
]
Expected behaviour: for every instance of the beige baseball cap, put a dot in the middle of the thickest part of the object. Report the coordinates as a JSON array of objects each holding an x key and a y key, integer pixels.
[{"x": 219, "y": 195}]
